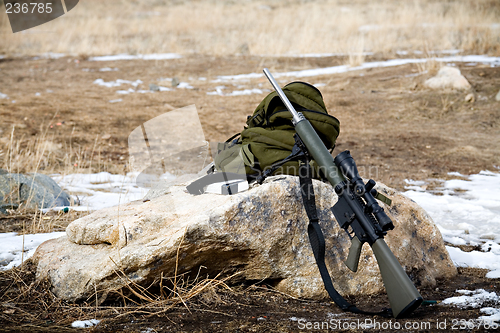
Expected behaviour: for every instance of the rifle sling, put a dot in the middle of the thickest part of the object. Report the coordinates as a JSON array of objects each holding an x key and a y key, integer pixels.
[{"x": 317, "y": 241}]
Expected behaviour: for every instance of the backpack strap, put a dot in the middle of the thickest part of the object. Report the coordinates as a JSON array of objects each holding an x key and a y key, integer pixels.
[
  {"x": 198, "y": 186},
  {"x": 233, "y": 137},
  {"x": 317, "y": 241}
]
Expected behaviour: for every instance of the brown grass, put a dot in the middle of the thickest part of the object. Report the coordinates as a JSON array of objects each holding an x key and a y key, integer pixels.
[
  {"x": 28, "y": 303},
  {"x": 31, "y": 221},
  {"x": 41, "y": 153},
  {"x": 279, "y": 27}
]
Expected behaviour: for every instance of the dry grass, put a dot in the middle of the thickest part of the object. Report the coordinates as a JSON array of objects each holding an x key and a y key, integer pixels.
[
  {"x": 166, "y": 293},
  {"x": 28, "y": 303},
  {"x": 279, "y": 27},
  {"x": 430, "y": 66},
  {"x": 42, "y": 153},
  {"x": 31, "y": 221}
]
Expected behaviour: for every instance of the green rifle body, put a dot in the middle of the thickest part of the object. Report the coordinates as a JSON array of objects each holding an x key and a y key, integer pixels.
[
  {"x": 318, "y": 151},
  {"x": 402, "y": 294}
]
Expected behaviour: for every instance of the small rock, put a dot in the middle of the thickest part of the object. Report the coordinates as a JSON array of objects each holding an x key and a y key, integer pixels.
[
  {"x": 448, "y": 78},
  {"x": 470, "y": 98},
  {"x": 32, "y": 190},
  {"x": 106, "y": 136},
  {"x": 497, "y": 97},
  {"x": 175, "y": 82},
  {"x": 153, "y": 87}
]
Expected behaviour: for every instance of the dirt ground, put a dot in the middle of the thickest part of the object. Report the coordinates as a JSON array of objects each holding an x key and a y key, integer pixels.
[
  {"x": 28, "y": 306},
  {"x": 394, "y": 127}
]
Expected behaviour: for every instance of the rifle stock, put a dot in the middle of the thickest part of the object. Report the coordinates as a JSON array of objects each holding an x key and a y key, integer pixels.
[{"x": 403, "y": 296}]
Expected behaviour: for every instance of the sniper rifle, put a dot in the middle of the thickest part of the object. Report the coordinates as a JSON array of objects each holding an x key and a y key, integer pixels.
[{"x": 357, "y": 212}]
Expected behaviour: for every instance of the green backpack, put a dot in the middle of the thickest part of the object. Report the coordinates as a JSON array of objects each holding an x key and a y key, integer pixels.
[{"x": 268, "y": 137}]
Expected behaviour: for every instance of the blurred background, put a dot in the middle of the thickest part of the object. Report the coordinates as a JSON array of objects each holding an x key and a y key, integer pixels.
[{"x": 272, "y": 27}]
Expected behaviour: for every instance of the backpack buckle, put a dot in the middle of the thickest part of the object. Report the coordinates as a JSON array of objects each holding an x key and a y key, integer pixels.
[{"x": 256, "y": 120}]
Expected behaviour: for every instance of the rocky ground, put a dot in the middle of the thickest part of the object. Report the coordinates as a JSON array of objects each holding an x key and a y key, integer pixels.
[{"x": 395, "y": 128}]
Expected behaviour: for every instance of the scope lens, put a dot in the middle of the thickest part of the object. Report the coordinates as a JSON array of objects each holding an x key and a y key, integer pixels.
[{"x": 384, "y": 221}]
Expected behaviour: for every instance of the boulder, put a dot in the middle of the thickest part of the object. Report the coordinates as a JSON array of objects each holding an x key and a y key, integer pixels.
[
  {"x": 448, "y": 78},
  {"x": 33, "y": 190},
  {"x": 261, "y": 233}
]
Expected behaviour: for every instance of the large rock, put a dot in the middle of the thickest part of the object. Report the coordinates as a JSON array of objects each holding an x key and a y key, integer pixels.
[
  {"x": 33, "y": 190},
  {"x": 260, "y": 232},
  {"x": 448, "y": 78}
]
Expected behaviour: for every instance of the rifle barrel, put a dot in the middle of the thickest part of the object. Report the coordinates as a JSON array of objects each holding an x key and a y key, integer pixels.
[
  {"x": 308, "y": 135},
  {"x": 289, "y": 106}
]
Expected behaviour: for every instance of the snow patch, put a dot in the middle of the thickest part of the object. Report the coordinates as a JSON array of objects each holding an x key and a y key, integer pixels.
[
  {"x": 154, "y": 56},
  {"x": 245, "y": 92},
  {"x": 14, "y": 248},
  {"x": 493, "y": 314},
  {"x": 101, "y": 190},
  {"x": 477, "y": 259},
  {"x": 493, "y": 61},
  {"x": 467, "y": 212},
  {"x": 472, "y": 299},
  {"x": 117, "y": 83},
  {"x": 184, "y": 85},
  {"x": 218, "y": 91},
  {"x": 85, "y": 323},
  {"x": 108, "y": 69},
  {"x": 49, "y": 55}
]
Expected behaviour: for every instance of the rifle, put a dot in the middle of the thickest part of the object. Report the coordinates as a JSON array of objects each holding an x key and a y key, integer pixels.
[{"x": 356, "y": 211}]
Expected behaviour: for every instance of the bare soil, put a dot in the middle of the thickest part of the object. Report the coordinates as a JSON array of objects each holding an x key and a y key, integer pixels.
[
  {"x": 28, "y": 306},
  {"x": 394, "y": 127}
]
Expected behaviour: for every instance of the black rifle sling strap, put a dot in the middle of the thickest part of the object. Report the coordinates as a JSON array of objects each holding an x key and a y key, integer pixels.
[{"x": 317, "y": 241}]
